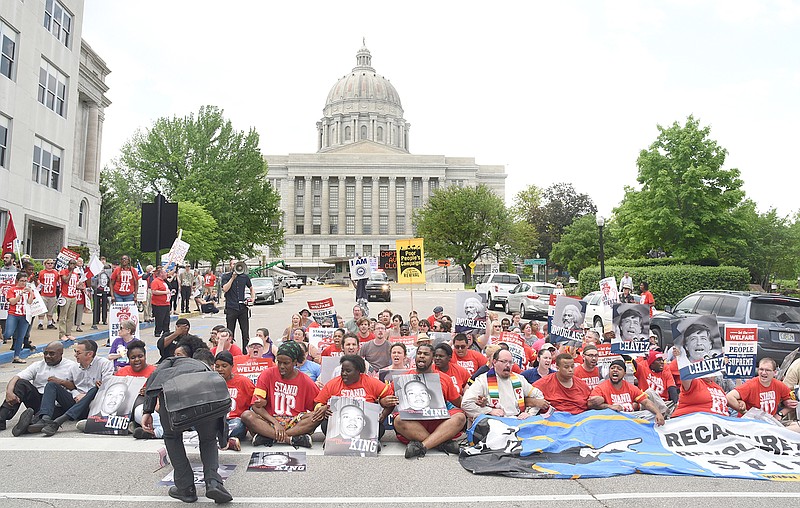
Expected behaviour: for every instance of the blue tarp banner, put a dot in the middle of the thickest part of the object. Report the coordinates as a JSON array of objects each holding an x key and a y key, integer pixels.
[{"x": 598, "y": 444}]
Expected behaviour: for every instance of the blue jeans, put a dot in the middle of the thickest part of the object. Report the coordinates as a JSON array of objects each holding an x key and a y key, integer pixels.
[
  {"x": 124, "y": 298},
  {"x": 17, "y": 327},
  {"x": 54, "y": 392},
  {"x": 236, "y": 428}
]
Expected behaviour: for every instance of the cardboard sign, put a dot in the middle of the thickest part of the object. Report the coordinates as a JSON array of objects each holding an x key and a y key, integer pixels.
[
  {"x": 353, "y": 428},
  {"x": 360, "y": 268},
  {"x": 64, "y": 257},
  {"x": 121, "y": 311},
  {"x": 110, "y": 410},
  {"x": 322, "y": 309},
  {"x": 740, "y": 351},
  {"x": 700, "y": 346},
  {"x": 410, "y": 261},
  {"x": 420, "y": 397},
  {"x": 608, "y": 289}
]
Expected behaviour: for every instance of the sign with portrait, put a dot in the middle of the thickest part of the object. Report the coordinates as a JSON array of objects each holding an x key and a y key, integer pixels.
[
  {"x": 64, "y": 257},
  {"x": 110, "y": 410},
  {"x": 352, "y": 428},
  {"x": 631, "y": 329},
  {"x": 470, "y": 312},
  {"x": 740, "y": 351},
  {"x": 420, "y": 397},
  {"x": 122, "y": 311},
  {"x": 699, "y": 346},
  {"x": 277, "y": 462},
  {"x": 568, "y": 317},
  {"x": 410, "y": 261},
  {"x": 608, "y": 291}
]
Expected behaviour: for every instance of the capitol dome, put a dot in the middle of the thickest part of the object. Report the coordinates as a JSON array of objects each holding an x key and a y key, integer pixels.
[{"x": 362, "y": 106}]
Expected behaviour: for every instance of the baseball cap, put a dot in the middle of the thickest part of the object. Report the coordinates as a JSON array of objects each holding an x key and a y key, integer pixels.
[
  {"x": 256, "y": 340},
  {"x": 438, "y": 309},
  {"x": 653, "y": 356}
]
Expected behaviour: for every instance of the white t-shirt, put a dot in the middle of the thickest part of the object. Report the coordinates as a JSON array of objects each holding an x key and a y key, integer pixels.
[{"x": 38, "y": 373}]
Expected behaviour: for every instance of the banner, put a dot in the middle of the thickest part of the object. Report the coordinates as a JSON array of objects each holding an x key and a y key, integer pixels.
[
  {"x": 360, "y": 268},
  {"x": 470, "y": 312},
  {"x": 353, "y": 428},
  {"x": 608, "y": 288},
  {"x": 567, "y": 323},
  {"x": 420, "y": 397},
  {"x": 599, "y": 444},
  {"x": 322, "y": 309},
  {"x": 7, "y": 281},
  {"x": 320, "y": 337},
  {"x": 410, "y": 261},
  {"x": 64, "y": 257},
  {"x": 516, "y": 346},
  {"x": 36, "y": 306},
  {"x": 110, "y": 410},
  {"x": 699, "y": 346},
  {"x": 177, "y": 254},
  {"x": 631, "y": 329},
  {"x": 251, "y": 368},
  {"x": 740, "y": 351},
  {"x": 121, "y": 311}
]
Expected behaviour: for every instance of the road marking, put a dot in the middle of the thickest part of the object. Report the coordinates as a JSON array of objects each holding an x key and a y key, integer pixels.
[{"x": 62, "y": 496}]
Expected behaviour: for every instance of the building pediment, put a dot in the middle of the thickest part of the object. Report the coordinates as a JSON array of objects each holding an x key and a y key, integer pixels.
[{"x": 365, "y": 146}]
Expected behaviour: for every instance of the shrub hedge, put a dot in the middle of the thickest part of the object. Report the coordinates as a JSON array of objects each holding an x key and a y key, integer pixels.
[
  {"x": 646, "y": 262},
  {"x": 670, "y": 283}
]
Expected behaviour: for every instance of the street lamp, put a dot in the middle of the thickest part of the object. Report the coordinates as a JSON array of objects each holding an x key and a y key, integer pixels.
[
  {"x": 600, "y": 223},
  {"x": 497, "y": 251}
]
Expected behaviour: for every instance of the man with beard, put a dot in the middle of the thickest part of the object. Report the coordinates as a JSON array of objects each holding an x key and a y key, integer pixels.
[
  {"x": 499, "y": 392},
  {"x": 422, "y": 435},
  {"x": 467, "y": 358},
  {"x": 562, "y": 389},
  {"x": 377, "y": 352},
  {"x": 283, "y": 409},
  {"x": 617, "y": 394},
  {"x": 588, "y": 371},
  {"x": 653, "y": 375},
  {"x": 442, "y": 356},
  {"x": 571, "y": 317}
]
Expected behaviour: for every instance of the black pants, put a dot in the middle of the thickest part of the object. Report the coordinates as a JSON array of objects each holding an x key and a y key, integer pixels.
[
  {"x": 27, "y": 395},
  {"x": 173, "y": 300},
  {"x": 100, "y": 309},
  {"x": 207, "y": 433},
  {"x": 161, "y": 319},
  {"x": 242, "y": 316},
  {"x": 186, "y": 296}
]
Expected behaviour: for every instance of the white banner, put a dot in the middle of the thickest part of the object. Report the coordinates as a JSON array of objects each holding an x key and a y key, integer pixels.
[
  {"x": 360, "y": 268},
  {"x": 36, "y": 307},
  {"x": 7, "y": 280},
  {"x": 608, "y": 287}
]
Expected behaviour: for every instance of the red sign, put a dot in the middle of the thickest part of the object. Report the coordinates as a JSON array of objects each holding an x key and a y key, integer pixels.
[{"x": 444, "y": 262}]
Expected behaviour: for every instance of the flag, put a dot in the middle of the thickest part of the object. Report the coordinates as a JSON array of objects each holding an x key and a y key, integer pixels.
[
  {"x": 139, "y": 268},
  {"x": 94, "y": 267},
  {"x": 10, "y": 237}
]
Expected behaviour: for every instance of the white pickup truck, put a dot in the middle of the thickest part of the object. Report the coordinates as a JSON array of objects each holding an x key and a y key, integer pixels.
[{"x": 495, "y": 286}]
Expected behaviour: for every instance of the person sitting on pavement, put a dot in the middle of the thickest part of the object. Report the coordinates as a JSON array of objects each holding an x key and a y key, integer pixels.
[
  {"x": 284, "y": 401},
  {"x": 74, "y": 401},
  {"x": 137, "y": 367},
  {"x": 588, "y": 371},
  {"x": 654, "y": 377},
  {"x": 469, "y": 359},
  {"x": 350, "y": 346},
  {"x": 27, "y": 387},
  {"x": 500, "y": 392},
  {"x": 295, "y": 324},
  {"x": 241, "y": 391},
  {"x": 119, "y": 348},
  {"x": 167, "y": 344},
  {"x": 226, "y": 342},
  {"x": 442, "y": 356},
  {"x": 255, "y": 349},
  {"x": 207, "y": 304},
  {"x": 300, "y": 336},
  {"x": 422, "y": 435},
  {"x": 542, "y": 367},
  {"x": 399, "y": 354},
  {"x": 377, "y": 352},
  {"x": 701, "y": 395},
  {"x": 617, "y": 394},
  {"x": 763, "y": 392},
  {"x": 562, "y": 389}
]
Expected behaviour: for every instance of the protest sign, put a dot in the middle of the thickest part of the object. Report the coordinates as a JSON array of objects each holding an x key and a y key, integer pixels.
[
  {"x": 176, "y": 254},
  {"x": 608, "y": 289},
  {"x": 110, "y": 410},
  {"x": 224, "y": 470},
  {"x": 604, "y": 359},
  {"x": 36, "y": 306},
  {"x": 122, "y": 311},
  {"x": 410, "y": 261},
  {"x": 373, "y": 263},
  {"x": 353, "y": 428},
  {"x": 360, "y": 268},
  {"x": 329, "y": 364},
  {"x": 740, "y": 351},
  {"x": 470, "y": 312},
  {"x": 64, "y": 257},
  {"x": 282, "y": 462},
  {"x": 699, "y": 346},
  {"x": 568, "y": 318},
  {"x": 516, "y": 346},
  {"x": 323, "y": 309},
  {"x": 320, "y": 337},
  {"x": 631, "y": 329},
  {"x": 420, "y": 397},
  {"x": 251, "y": 368},
  {"x": 7, "y": 281}
]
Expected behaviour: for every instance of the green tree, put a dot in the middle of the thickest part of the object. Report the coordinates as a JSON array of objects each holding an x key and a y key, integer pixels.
[
  {"x": 204, "y": 160},
  {"x": 200, "y": 231},
  {"x": 524, "y": 239},
  {"x": 579, "y": 246},
  {"x": 463, "y": 223},
  {"x": 687, "y": 200}
]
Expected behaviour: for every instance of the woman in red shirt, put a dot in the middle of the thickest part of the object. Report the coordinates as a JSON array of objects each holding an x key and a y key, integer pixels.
[
  {"x": 16, "y": 322},
  {"x": 701, "y": 395},
  {"x": 124, "y": 282},
  {"x": 160, "y": 301}
]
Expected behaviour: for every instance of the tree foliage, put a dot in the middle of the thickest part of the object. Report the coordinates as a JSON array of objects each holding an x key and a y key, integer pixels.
[
  {"x": 687, "y": 200},
  {"x": 463, "y": 223},
  {"x": 579, "y": 246}
]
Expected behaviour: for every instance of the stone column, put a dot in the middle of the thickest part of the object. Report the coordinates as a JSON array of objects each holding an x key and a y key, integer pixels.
[
  {"x": 426, "y": 181},
  {"x": 408, "y": 208},
  {"x": 307, "y": 206},
  {"x": 342, "y": 194},
  {"x": 359, "y": 205},
  {"x": 389, "y": 127},
  {"x": 325, "y": 206},
  {"x": 290, "y": 206},
  {"x": 392, "y": 205},
  {"x": 376, "y": 208},
  {"x": 92, "y": 147}
]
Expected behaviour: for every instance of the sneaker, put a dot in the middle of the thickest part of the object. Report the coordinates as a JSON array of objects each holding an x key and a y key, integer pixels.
[
  {"x": 187, "y": 496},
  {"x": 25, "y": 420},
  {"x": 234, "y": 444},
  {"x": 303, "y": 440},
  {"x": 51, "y": 326},
  {"x": 216, "y": 491},
  {"x": 38, "y": 424},
  {"x": 449, "y": 447},
  {"x": 80, "y": 426},
  {"x": 79, "y": 329},
  {"x": 51, "y": 428},
  {"x": 259, "y": 440},
  {"x": 94, "y": 327},
  {"x": 132, "y": 427},
  {"x": 415, "y": 449},
  {"x": 140, "y": 433},
  {"x": 2, "y": 425},
  {"x": 40, "y": 327}
]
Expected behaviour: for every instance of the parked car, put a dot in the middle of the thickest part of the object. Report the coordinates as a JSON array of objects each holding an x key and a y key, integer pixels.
[
  {"x": 529, "y": 299},
  {"x": 267, "y": 290},
  {"x": 290, "y": 281},
  {"x": 378, "y": 287},
  {"x": 598, "y": 314},
  {"x": 777, "y": 317},
  {"x": 495, "y": 287}
]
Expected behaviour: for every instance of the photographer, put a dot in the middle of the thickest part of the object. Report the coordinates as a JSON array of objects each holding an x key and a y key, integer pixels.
[{"x": 236, "y": 306}]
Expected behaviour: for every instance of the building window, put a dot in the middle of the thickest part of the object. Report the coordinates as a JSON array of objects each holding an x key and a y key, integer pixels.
[
  {"x": 400, "y": 197},
  {"x": 366, "y": 250},
  {"x": 5, "y": 126},
  {"x": 8, "y": 39},
  {"x": 384, "y": 247},
  {"x": 363, "y": 132},
  {"x": 333, "y": 197},
  {"x": 366, "y": 225},
  {"x": 58, "y": 21},
  {"x": 298, "y": 251},
  {"x": 347, "y": 133},
  {"x": 366, "y": 197},
  {"x": 383, "y": 225},
  {"x": 47, "y": 164},
  {"x": 383, "y": 196},
  {"x": 52, "y": 88},
  {"x": 316, "y": 224},
  {"x": 300, "y": 192},
  {"x": 83, "y": 211},
  {"x": 416, "y": 193},
  {"x": 349, "y": 251},
  {"x": 315, "y": 251},
  {"x": 316, "y": 193},
  {"x": 350, "y": 196},
  {"x": 299, "y": 222},
  {"x": 334, "y": 224},
  {"x": 333, "y": 250},
  {"x": 400, "y": 225},
  {"x": 380, "y": 133},
  {"x": 433, "y": 185},
  {"x": 350, "y": 225}
]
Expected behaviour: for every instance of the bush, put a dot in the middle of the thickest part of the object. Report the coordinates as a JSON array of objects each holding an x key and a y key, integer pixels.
[
  {"x": 645, "y": 262},
  {"x": 670, "y": 283},
  {"x": 82, "y": 250}
]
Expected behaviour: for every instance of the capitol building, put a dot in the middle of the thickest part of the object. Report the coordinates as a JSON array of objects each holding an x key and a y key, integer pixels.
[{"x": 357, "y": 193}]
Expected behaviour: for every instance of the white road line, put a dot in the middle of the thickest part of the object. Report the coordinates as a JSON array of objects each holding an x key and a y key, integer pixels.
[{"x": 399, "y": 500}]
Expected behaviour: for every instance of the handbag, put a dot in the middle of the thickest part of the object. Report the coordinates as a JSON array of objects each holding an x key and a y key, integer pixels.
[{"x": 194, "y": 397}]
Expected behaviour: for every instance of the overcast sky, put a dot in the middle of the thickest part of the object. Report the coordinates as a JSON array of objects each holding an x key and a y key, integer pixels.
[{"x": 555, "y": 91}]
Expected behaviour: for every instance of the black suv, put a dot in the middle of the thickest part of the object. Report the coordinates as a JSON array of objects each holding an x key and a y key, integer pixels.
[
  {"x": 378, "y": 287},
  {"x": 777, "y": 317}
]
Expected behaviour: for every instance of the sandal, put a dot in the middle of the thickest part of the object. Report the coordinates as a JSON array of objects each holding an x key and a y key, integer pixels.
[{"x": 18, "y": 360}]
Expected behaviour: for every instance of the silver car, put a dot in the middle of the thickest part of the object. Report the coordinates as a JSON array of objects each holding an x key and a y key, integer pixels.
[
  {"x": 598, "y": 314},
  {"x": 267, "y": 290},
  {"x": 529, "y": 299}
]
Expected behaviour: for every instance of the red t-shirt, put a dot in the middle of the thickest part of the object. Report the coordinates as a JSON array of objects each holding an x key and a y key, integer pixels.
[
  {"x": 80, "y": 298},
  {"x": 48, "y": 282},
  {"x": 625, "y": 396},
  {"x": 234, "y": 349},
  {"x": 332, "y": 350},
  {"x": 472, "y": 360},
  {"x": 675, "y": 371},
  {"x": 159, "y": 300},
  {"x": 128, "y": 371},
  {"x": 458, "y": 374},
  {"x": 572, "y": 400},
  {"x": 368, "y": 388},
  {"x": 365, "y": 339},
  {"x": 71, "y": 289},
  {"x": 702, "y": 397},
  {"x": 658, "y": 381},
  {"x": 19, "y": 308},
  {"x": 286, "y": 397},
  {"x": 591, "y": 378},
  {"x": 647, "y": 299},
  {"x": 126, "y": 282},
  {"x": 754, "y": 394},
  {"x": 209, "y": 280},
  {"x": 241, "y": 391}
]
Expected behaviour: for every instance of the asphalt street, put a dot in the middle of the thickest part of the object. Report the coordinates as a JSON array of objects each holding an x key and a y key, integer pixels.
[{"x": 78, "y": 470}]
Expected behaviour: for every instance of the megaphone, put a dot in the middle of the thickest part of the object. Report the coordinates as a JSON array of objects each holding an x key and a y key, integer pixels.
[{"x": 239, "y": 268}]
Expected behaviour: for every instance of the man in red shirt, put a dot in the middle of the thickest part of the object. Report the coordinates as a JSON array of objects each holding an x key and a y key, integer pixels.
[
  {"x": 438, "y": 312},
  {"x": 763, "y": 392},
  {"x": 652, "y": 373},
  {"x": 241, "y": 390},
  {"x": 124, "y": 282},
  {"x": 442, "y": 356},
  {"x": 562, "y": 390},
  {"x": 364, "y": 332},
  {"x": 48, "y": 282},
  {"x": 209, "y": 280},
  {"x": 469, "y": 359},
  {"x": 647, "y": 296},
  {"x": 159, "y": 301},
  {"x": 588, "y": 371},
  {"x": 422, "y": 435},
  {"x": 617, "y": 394},
  {"x": 70, "y": 285},
  {"x": 284, "y": 401}
]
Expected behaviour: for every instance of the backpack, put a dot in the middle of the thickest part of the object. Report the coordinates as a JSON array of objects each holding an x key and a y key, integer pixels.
[
  {"x": 196, "y": 396},
  {"x": 787, "y": 362}
]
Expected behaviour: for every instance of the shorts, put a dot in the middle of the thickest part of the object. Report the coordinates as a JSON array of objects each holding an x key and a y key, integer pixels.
[
  {"x": 50, "y": 302},
  {"x": 429, "y": 425}
]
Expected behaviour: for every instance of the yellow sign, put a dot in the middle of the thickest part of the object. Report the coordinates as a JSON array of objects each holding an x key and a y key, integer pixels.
[{"x": 410, "y": 261}]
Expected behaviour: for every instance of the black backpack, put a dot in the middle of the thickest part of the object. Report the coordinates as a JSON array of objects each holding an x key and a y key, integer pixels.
[{"x": 196, "y": 396}]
